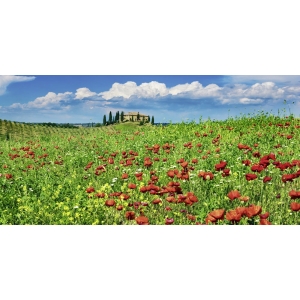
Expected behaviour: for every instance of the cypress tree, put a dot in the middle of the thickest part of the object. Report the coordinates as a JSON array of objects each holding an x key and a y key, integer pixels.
[
  {"x": 152, "y": 120},
  {"x": 110, "y": 118},
  {"x": 122, "y": 116},
  {"x": 138, "y": 116},
  {"x": 104, "y": 120}
]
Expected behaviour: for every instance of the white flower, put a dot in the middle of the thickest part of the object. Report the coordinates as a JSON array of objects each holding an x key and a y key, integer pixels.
[{"x": 75, "y": 206}]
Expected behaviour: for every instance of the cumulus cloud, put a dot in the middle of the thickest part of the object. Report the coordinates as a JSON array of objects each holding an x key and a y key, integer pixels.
[
  {"x": 232, "y": 93},
  {"x": 196, "y": 90},
  {"x": 291, "y": 79},
  {"x": 49, "y": 101},
  {"x": 6, "y": 80},
  {"x": 152, "y": 89},
  {"x": 84, "y": 93},
  {"x": 250, "y": 101},
  {"x": 264, "y": 90}
]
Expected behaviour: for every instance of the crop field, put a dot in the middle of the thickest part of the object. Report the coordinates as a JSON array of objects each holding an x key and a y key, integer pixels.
[{"x": 242, "y": 171}]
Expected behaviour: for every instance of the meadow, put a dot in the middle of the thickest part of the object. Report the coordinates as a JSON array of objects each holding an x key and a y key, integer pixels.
[{"x": 242, "y": 171}]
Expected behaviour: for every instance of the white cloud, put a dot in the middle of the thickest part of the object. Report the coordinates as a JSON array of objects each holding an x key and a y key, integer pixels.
[
  {"x": 196, "y": 90},
  {"x": 84, "y": 93},
  {"x": 292, "y": 79},
  {"x": 236, "y": 93},
  {"x": 6, "y": 80},
  {"x": 250, "y": 101},
  {"x": 152, "y": 89},
  {"x": 50, "y": 101},
  {"x": 264, "y": 90}
]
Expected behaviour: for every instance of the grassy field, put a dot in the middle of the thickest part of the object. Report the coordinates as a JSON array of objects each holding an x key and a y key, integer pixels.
[{"x": 239, "y": 171}]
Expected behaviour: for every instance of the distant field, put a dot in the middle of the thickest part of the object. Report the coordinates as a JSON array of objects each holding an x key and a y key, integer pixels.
[{"x": 238, "y": 171}]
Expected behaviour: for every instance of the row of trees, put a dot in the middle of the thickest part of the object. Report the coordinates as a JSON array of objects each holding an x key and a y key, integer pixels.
[{"x": 118, "y": 118}]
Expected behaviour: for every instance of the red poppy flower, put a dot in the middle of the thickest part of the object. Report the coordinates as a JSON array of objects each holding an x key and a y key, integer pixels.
[
  {"x": 131, "y": 186},
  {"x": 192, "y": 197},
  {"x": 226, "y": 172},
  {"x": 246, "y": 162},
  {"x": 147, "y": 163},
  {"x": 171, "y": 199},
  {"x": 168, "y": 208},
  {"x": 128, "y": 162},
  {"x": 241, "y": 210},
  {"x": 194, "y": 160},
  {"x": 294, "y": 194},
  {"x": 8, "y": 176},
  {"x": 100, "y": 195},
  {"x": 191, "y": 217},
  {"x": 110, "y": 202},
  {"x": 296, "y": 162},
  {"x": 184, "y": 164},
  {"x": 288, "y": 177},
  {"x": 206, "y": 175},
  {"x": 124, "y": 196},
  {"x": 233, "y": 216},
  {"x": 119, "y": 207},
  {"x": 256, "y": 154},
  {"x": 210, "y": 219},
  {"x": 136, "y": 205},
  {"x": 218, "y": 214},
  {"x": 264, "y": 222},
  {"x": 156, "y": 201},
  {"x": 143, "y": 189},
  {"x": 220, "y": 166},
  {"x": 252, "y": 211},
  {"x": 244, "y": 198},
  {"x": 90, "y": 189},
  {"x": 266, "y": 179},
  {"x": 142, "y": 220},
  {"x": 265, "y": 215},
  {"x": 169, "y": 221},
  {"x": 250, "y": 176},
  {"x": 295, "y": 206},
  {"x": 241, "y": 146},
  {"x": 257, "y": 168},
  {"x": 130, "y": 215},
  {"x": 233, "y": 194},
  {"x": 124, "y": 176}
]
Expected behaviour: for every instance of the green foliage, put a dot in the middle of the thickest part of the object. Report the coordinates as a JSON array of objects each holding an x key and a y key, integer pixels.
[{"x": 52, "y": 189}]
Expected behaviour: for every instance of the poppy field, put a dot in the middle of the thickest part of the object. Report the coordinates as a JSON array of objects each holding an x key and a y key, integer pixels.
[{"x": 242, "y": 171}]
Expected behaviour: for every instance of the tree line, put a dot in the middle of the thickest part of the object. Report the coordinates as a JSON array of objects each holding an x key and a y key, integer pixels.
[{"x": 118, "y": 118}]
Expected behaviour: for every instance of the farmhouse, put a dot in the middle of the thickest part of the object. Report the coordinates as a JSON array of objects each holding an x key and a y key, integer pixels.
[{"x": 135, "y": 116}]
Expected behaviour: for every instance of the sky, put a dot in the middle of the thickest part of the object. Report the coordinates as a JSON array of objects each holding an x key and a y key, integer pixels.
[{"x": 175, "y": 98}]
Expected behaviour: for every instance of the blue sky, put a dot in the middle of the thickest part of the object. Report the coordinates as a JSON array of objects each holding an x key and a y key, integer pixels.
[{"x": 74, "y": 98}]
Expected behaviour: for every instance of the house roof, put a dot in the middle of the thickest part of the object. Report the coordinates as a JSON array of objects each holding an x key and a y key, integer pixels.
[{"x": 133, "y": 113}]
